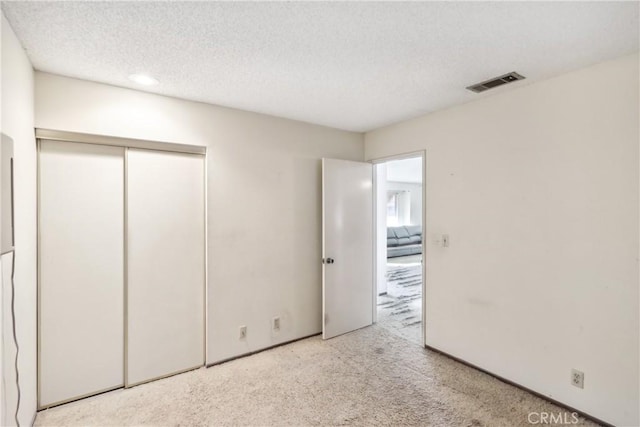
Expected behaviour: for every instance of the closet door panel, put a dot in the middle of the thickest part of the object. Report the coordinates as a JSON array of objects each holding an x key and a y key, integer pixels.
[
  {"x": 165, "y": 263},
  {"x": 81, "y": 250}
]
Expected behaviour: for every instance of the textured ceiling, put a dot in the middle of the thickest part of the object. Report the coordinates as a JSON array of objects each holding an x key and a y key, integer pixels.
[{"x": 349, "y": 65}]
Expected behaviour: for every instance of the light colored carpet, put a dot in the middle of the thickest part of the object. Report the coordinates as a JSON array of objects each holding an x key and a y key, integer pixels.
[
  {"x": 400, "y": 309},
  {"x": 366, "y": 378}
]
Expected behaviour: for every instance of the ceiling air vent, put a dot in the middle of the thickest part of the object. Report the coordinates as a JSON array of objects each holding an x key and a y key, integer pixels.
[{"x": 495, "y": 82}]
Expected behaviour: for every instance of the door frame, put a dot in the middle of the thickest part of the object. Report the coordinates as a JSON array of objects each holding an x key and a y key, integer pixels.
[{"x": 409, "y": 155}]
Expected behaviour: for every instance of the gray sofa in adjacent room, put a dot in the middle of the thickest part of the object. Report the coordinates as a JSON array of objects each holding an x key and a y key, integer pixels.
[{"x": 404, "y": 240}]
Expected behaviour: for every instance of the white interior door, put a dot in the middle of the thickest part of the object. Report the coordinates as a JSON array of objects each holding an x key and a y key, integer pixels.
[
  {"x": 347, "y": 246},
  {"x": 81, "y": 252},
  {"x": 165, "y": 263}
]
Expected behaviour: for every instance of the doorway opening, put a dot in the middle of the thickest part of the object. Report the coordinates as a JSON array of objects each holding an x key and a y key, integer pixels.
[{"x": 399, "y": 207}]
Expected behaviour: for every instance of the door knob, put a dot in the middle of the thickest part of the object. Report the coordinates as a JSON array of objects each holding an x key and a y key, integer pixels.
[{"x": 328, "y": 261}]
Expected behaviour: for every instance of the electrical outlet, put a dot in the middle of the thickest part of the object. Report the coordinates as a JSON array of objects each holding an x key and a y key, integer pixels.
[
  {"x": 243, "y": 332},
  {"x": 577, "y": 378},
  {"x": 276, "y": 323}
]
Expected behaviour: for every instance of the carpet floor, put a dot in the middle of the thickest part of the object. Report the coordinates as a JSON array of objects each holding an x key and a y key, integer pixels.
[{"x": 366, "y": 378}]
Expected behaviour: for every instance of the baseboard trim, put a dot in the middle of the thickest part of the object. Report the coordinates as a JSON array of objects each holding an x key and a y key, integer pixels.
[
  {"x": 240, "y": 356},
  {"x": 81, "y": 397},
  {"x": 535, "y": 393}
]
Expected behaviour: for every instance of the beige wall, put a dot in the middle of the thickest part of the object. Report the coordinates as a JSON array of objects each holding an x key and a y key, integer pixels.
[
  {"x": 17, "y": 122},
  {"x": 264, "y": 195},
  {"x": 538, "y": 189}
]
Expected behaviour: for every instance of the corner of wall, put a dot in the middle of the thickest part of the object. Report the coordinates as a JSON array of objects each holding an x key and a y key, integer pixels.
[{"x": 17, "y": 112}]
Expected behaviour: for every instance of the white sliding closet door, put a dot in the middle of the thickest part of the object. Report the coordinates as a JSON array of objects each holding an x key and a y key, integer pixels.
[
  {"x": 166, "y": 263},
  {"x": 81, "y": 251}
]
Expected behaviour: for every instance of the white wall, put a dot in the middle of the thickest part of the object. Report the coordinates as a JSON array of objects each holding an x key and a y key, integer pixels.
[
  {"x": 538, "y": 189},
  {"x": 264, "y": 195},
  {"x": 405, "y": 170},
  {"x": 380, "y": 171},
  {"x": 17, "y": 122}
]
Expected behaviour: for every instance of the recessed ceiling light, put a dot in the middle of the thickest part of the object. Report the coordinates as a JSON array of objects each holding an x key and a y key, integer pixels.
[{"x": 143, "y": 79}]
